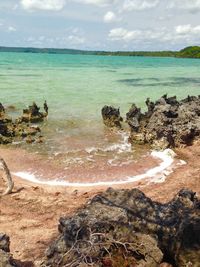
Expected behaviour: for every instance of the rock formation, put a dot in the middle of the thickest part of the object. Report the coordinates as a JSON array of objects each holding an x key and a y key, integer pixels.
[
  {"x": 121, "y": 228},
  {"x": 21, "y": 129},
  {"x": 111, "y": 116},
  {"x": 167, "y": 123},
  {"x": 6, "y": 259},
  {"x": 32, "y": 114}
]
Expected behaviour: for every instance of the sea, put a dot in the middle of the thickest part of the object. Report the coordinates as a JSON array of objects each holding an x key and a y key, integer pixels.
[{"x": 76, "y": 87}]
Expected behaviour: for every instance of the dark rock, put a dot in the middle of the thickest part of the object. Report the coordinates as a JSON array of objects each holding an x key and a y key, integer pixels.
[
  {"x": 126, "y": 228},
  {"x": 150, "y": 106},
  {"x": 32, "y": 114},
  {"x": 2, "y": 109},
  {"x": 20, "y": 129},
  {"x": 46, "y": 108},
  {"x": 133, "y": 117},
  {"x": 5, "y": 140},
  {"x": 167, "y": 123},
  {"x": 4, "y": 242},
  {"x": 6, "y": 259},
  {"x": 111, "y": 116},
  {"x": 30, "y": 140}
]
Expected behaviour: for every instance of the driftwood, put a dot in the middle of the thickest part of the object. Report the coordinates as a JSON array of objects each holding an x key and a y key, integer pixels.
[{"x": 7, "y": 176}]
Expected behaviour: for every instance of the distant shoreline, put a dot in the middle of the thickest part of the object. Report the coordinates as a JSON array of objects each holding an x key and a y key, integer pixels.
[{"x": 188, "y": 52}]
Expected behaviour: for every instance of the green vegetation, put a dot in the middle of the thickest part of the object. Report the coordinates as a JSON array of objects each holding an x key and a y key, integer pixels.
[
  {"x": 41, "y": 50},
  {"x": 188, "y": 52},
  {"x": 138, "y": 53}
]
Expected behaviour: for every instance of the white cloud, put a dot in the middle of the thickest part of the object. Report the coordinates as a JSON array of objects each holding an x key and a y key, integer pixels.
[
  {"x": 187, "y": 29},
  {"x": 139, "y": 4},
  {"x": 76, "y": 40},
  {"x": 96, "y": 2},
  {"x": 179, "y": 34},
  {"x": 74, "y": 37},
  {"x": 43, "y": 4},
  {"x": 110, "y": 17},
  {"x": 190, "y": 5},
  {"x": 123, "y": 34},
  {"x": 59, "y": 4},
  {"x": 12, "y": 29}
]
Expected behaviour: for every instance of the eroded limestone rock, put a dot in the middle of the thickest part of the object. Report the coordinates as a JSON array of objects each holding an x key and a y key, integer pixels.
[
  {"x": 6, "y": 259},
  {"x": 111, "y": 116},
  {"x": 32, "y": 114},
  {"x": 21, "y": 129},
  {"x": 167, "y": 123},
  {"x": 126, "y": 228}
]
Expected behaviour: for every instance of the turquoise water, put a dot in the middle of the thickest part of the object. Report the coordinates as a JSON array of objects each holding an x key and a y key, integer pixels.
[{"x": 76, "y": 87}]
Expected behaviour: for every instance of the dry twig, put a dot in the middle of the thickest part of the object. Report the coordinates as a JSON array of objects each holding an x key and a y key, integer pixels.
[{"x": 7, "y": 176}]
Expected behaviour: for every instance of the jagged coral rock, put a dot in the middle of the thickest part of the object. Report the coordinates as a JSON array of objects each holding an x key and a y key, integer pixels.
[
  {"x": 6, "y": 259},
  {"x": 20, "y": 129},
  {"x": 33, "y": 114},
  {"x": 126, "y": 228},
  {"x": 167, "y": 123},
  {"x": 111, "y": 116}
]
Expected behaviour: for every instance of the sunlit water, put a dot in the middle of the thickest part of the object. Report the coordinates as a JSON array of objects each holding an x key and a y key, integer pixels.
[{"x": 76, "y": 87}]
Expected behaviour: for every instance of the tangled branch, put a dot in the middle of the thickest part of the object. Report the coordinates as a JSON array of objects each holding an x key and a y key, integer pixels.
[{"x": 95, "y": 248}]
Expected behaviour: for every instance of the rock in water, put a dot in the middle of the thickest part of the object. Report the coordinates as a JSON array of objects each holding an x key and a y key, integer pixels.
[
  {"x": 20, "y": 129},
  {"x": 133, "y": 117},
  {"x": 32, "y": 114},
  {"x": 6, "y": 132},
  {"x": 168, "y": 122},
  {"x": 126, "y": 228},
  {"x": 111, "y": 116}
]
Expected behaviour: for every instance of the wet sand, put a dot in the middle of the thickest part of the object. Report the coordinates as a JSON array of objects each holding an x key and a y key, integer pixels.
[
  {"x": 30, "y": 214},
  {"x": 53, "y": 169}
]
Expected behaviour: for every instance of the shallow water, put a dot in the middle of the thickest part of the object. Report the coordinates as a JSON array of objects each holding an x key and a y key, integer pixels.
[{"x": 76, "y": 87}]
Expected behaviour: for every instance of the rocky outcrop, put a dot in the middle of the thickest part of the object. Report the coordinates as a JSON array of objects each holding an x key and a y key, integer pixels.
[
  {"x": 6, "y": 259},
  {"x": 111, "y": 116},
  {"x": 126, "y": 228},
  {"x": 167, "y": 123},
  {"x": 21, "y": 129},
  {"x": 32, "y": 114}
]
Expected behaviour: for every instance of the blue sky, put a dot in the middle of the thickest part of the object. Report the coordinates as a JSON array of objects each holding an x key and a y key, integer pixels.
[{"x": 100, "y": 24}]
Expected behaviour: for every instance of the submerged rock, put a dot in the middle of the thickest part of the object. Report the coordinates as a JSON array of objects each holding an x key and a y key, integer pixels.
[
  {"x": 126, "y": 228},
  {"x": 167, "y": 123},
  {"x": 111, "y": 116}
]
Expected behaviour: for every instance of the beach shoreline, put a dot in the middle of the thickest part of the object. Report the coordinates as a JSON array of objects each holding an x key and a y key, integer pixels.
[{"x": 30, "y": 214}]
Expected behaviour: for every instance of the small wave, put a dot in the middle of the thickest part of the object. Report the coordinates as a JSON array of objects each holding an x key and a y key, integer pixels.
[
  {"x": 156, "y": 175},
  {"x": 122, "y": 146}
]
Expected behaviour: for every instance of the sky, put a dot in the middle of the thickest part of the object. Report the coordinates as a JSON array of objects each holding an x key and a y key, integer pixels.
[{"x": 100, "y": 24}]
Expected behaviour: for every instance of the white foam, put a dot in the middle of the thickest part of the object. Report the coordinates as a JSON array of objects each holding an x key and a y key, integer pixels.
[
  {"x": 156, "y": 174},
  {"x": 182, "y": 162},
  {"x": 90, "y": 150},
  {"x": 122, "y": 146}
]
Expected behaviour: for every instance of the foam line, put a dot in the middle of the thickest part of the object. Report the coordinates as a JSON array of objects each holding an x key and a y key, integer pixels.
[{"x": 167, "y": 157}]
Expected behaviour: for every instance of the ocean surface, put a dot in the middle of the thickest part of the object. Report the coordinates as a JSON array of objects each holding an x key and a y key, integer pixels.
[{"x": 76, "y": 87}]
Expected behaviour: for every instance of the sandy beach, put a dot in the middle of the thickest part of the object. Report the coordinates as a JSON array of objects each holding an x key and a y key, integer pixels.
[
  {"x": 99, "y": 133},
  {"x": 30, "y": 214}
]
